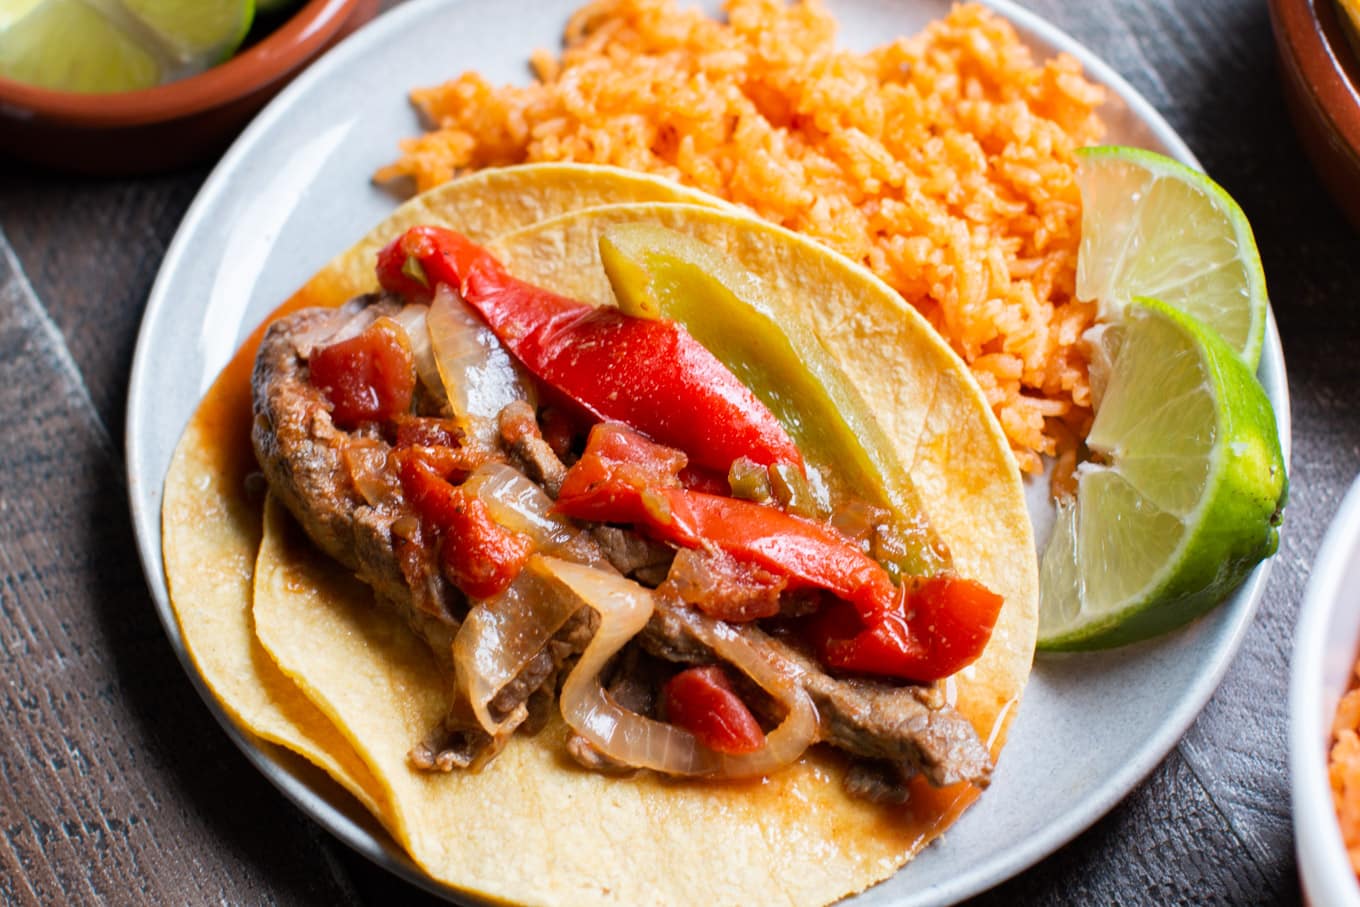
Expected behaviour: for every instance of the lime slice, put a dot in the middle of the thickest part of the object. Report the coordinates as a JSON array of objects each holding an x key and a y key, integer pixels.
[
  {"x": 105, "y": 45},
  {"x": 67, "y": 45},
  {"x": 1151, "y": 226},
  {"x": 197, "y": 30},
  {"x": 1183, "y": 494}
]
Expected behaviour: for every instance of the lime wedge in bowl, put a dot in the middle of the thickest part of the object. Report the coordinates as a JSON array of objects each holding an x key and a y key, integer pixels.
[
  {"x": 1152, "y": 226},
  {"x": 1183, "y": 493},
  {"x": 87, "y": 46},
  {"x": 196, "y": 30}
]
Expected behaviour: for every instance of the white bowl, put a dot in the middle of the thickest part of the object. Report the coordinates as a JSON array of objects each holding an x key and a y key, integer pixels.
[{"x": 1325, "y": 651}]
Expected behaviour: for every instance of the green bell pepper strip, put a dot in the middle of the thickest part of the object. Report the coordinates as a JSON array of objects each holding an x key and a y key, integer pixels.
[{"x": 657, "y": 272}]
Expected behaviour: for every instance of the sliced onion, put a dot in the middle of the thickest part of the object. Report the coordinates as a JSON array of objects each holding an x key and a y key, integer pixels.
[
  {"x": 517, "y": 503},
  {"x": 326, "y": 333},
  {"x": 500, "y": 636},
  {"x": 795, "y": 733},
  {"x": 478, "y": 374},
  {"x": 624, "y": 608},
  {"x": 366, "y": 462},
  {"x": 412, "y": 320}
]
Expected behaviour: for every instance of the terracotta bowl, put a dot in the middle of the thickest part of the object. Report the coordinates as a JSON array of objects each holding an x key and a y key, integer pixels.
[
  {"x": 1321, "y": 72},
  {"x": 173, "y": 124}
]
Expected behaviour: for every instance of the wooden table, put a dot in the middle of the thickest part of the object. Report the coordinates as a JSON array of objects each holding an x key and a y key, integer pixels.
[{"x": 120, "y": 787}]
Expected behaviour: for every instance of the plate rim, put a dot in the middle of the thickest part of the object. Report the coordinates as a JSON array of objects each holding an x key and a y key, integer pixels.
[{"x": 978, "y": 878}]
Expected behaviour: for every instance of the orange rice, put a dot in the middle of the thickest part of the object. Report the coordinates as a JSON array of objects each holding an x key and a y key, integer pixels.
[
  {"x": 944, "y": 162},
  {"x": 1344, "y": 771}
]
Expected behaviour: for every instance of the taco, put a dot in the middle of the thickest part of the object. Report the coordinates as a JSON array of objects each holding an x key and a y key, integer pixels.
[{"x": 613, "y": 637}]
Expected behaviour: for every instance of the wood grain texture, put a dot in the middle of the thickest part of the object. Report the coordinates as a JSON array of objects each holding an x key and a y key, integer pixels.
[
  {"x": 118, "y": 787},
  {"x": 91, "y": 249}
]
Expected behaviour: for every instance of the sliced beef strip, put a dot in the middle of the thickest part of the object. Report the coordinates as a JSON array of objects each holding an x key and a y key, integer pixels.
[
  {"x": 911, "y": 726},
  {"x": 568, "y": 642},
  {"x": 630, "y": 553},
  {"x": 535, "y": 457},
  {"x": 879, "y": 781}
]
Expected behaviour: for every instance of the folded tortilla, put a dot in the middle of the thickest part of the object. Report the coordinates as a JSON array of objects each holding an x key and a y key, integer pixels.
[{"x": 533, "y": 827}]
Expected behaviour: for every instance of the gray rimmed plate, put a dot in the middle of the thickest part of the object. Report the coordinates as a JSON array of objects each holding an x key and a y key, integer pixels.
[{"x": 295, "y": 189}]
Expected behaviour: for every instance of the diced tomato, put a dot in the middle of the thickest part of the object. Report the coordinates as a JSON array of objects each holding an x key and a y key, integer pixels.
[
  {"x": 424, "y": 431},
  {"x": 617, "y": 468},
  {"x": 701, "y": 701},
  {"x": 696, "y": 478},
  {"x": 938, "y": 629},
  {"x": 454, "y": 464},
  {"x": 723, "y": 587},
  {"x": 559, "y": 430},
  {"x": 367, "y": 378},
  {"x": 478, "y": 555}
]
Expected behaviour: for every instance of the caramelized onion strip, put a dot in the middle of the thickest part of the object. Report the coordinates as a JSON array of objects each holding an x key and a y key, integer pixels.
[
  {"x": 366, "y": 461},
  {"x": 499, "y": 638},
  {"x": 519, "y": 504},
  {"x": 478, "y": 374},
  {"x": 795, "y": 733},
  {"x": 412, "y": 319}
]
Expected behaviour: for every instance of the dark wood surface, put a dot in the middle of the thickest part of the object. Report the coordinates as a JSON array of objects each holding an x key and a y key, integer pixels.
[{"x": 118, "y": 786}]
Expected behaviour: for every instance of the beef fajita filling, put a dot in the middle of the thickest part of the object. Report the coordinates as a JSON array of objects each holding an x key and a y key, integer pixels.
[{"x": 585, "y": 511}]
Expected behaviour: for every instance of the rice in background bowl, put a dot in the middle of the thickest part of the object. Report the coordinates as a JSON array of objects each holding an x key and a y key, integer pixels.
[{"x": 1325, "y": 658}]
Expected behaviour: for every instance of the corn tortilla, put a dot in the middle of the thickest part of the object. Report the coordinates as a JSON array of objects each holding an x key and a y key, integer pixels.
[
  {"x": 533, "y": 827},
  {"x": 211, "y": 524}
]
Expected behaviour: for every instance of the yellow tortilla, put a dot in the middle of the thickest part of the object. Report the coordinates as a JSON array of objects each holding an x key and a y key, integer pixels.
[
  {"x": 210, "y": 528},
  {"x": 533, "y": 827},
  {"x": 491, "y": 202},
  {"x": 211, "y": 524}
]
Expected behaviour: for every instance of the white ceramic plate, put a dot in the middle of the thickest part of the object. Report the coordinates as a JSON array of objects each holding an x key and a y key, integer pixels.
[
  {"x": 295, "y": 189},
  {"x": 1325, "y": 650}
]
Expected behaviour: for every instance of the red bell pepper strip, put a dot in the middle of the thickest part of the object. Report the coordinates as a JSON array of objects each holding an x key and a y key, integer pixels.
[
  {"x": 369, "y": 377},
  {"x": 649, "y": 374},
  {"x": 477, "y": 554},
  {"x": 701, "y": 701},
  {"x": 874, "y": 628},
  {"x": 624, "y": 478}
]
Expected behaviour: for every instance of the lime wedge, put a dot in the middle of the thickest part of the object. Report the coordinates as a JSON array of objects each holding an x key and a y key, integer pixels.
[
  {"x": 1183, "y": 494},
  {"x": 67, "y": 45},
  {"x": 1151, "y": 226},
  {"x": 106, "y": 45},
  {"x": 197, "y": 30}
]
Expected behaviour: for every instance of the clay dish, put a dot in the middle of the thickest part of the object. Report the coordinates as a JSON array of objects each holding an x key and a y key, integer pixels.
[
  {"x": 1321, "y": 73},
  {"x": 176, "y": 123}
]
